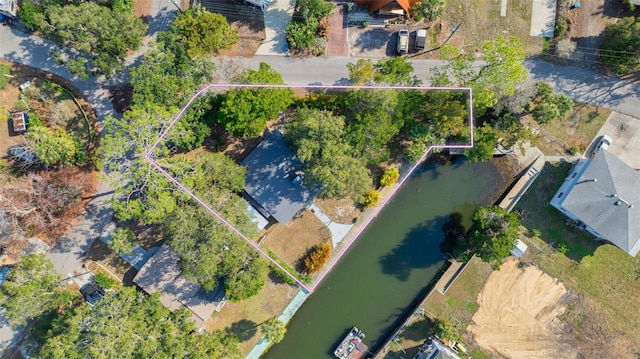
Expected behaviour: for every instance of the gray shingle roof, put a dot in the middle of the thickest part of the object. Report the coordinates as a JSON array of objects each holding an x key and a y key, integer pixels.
[
  {"x": 161, "y": 274},
  {"x": 271, "y": 169},
  {"x": 611, "y": 204}
]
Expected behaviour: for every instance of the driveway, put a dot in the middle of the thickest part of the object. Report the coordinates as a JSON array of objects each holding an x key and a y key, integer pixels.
[
  {"x": 624, "y": 130},
  {"x": 338, "y": 44},
  {"x": 277, "y": 17}
]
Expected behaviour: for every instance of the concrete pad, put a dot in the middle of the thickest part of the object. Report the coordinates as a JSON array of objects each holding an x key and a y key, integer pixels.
[
  {"x": 276, "y": 19},
  {"x": 624, "y": 130},
  {"x": 543, "y": 18},
  {"x": 338, "y": 230},
  {"x": 503, "y": 8}
]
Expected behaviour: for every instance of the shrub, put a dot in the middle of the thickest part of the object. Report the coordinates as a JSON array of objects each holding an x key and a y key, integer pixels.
[
  {"x": 390, "y": 176},
  {"x": 372, "y": 198},
  {"x": 104, "y": 280},
  {"x": 318, "y": 257},
  {"x": 4, "y": 70},
  {"x": 31, "y": 15}
]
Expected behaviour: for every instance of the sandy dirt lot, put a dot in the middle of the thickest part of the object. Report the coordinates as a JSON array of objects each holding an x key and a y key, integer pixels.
[{"x": 518, "y": 312}]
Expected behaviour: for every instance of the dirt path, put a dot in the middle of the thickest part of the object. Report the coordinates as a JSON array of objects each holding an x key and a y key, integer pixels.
[{"x": 518, "y": 312}]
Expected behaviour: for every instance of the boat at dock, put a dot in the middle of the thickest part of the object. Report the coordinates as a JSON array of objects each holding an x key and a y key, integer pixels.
[{"x": 351, "y": 346}]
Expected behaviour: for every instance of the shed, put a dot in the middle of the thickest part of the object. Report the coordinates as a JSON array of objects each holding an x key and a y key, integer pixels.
[{"x": 519, "y": 249}]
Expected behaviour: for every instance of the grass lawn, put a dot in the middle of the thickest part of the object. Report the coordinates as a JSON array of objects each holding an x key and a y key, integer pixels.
[
  {"x": 575, "y": 131},
  {"x": 244, "y": 318},
  {"x": 480, "y": 21},
  {"x": 606, "y": 278}
]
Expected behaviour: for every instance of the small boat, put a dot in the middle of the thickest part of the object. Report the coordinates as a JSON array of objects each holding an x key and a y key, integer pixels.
[{"x": 351, "y": 346}]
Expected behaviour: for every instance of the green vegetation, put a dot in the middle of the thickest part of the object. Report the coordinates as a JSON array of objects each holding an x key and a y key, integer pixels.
[
  {"x": 245, "y": 111},
  {"x": 273, "y": 330},
  {"x": 33, "y": 288},
  {"x": 104, "y": 280},
  {"x": 389, "y": 176},
  {"x": 318, "y": 139},
  {"x": 307, "y": 32},
  {"x": 123, "y": 240},
  {"x": 143, "y": 328},
  {"x": 52, "y": 147},
  {"x": 318, "y": 257},
  {"x": 493, "y": 234},
  {"x": 427, "y": 9},
  {"x": 5, "y": 70},
  {"x": 620, "y": 46},
  {"x": 102, "y": 45},
  {"x": 548, "y": 106},
  {"x": 204, "y": 33}
]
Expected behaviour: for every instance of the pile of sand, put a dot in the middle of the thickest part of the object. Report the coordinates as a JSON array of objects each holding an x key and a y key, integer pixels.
[{"x": 517, "y": 315}]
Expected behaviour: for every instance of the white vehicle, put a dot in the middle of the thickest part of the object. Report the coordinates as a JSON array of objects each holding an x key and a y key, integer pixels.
[
  {"x": 403, "y": 42},
  {"x": 603, "y": 143}
]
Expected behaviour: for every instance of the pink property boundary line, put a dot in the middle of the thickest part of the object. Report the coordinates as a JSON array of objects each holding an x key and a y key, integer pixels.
[{"x": 379, "y": 208}]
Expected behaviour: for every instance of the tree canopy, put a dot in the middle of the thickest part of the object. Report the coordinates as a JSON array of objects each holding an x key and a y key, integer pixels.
[
  {"x": 204, "y": 33},
  {"x": 493, "y": 235},
  {"x": 130, "y": 324},
  {"x": 33, "y": 288},
  {"x": 245, "y": 111},
  {"x": 621, "y": 45},
  {"x": 273, "y": 330},
  {"x": 99, "y": 35},
  {"x": 318, "y": 138}
]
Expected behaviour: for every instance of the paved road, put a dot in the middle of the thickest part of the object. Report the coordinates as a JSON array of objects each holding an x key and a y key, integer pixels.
[{"x": 578, "y": 83}]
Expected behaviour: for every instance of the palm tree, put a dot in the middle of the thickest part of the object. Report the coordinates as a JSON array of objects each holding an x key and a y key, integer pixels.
[{"x": 273, "y": 330}]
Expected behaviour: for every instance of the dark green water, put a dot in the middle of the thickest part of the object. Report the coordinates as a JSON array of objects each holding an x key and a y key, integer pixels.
[{"x": 392, "y": 262}]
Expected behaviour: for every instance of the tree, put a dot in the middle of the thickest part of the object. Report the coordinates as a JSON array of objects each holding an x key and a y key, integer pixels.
[
  {"x": 372, "y": 198},
  {"x": 621, "y": 45},
  {"x": 318, "y": 139},
  {"x": 273, "y": 330},
  {"x": 123, "y": 240},
  {"x": 548, "y": 106},
  {"x": 95, "y": 32},
  {"x": 427, "y": 9},
  {"x": 32, "y": 288},
  {"x": 318, "y": 257},
  {"x": 52, "y": 147},
  {"x": 130, "y": 324},
  {"x": 493, "y": 234},
  {"x": 565, "y": 48},
  {"x": 392, "y": 71},
  {"x": 496, "y": 79},
  {"x": 245, "y": 111},
  {"x": 486, "y": 139},
  {"x": 204, "y": 33}
]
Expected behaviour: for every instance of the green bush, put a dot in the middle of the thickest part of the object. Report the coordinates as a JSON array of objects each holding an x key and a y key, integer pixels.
[
  {"x": 32, "y": 15},
  {"x": 372, "y": 198},
  {"x": 389, "y": 176},
  {"x": 104, "y": 280},
  {"x": 4, "y": 70}
]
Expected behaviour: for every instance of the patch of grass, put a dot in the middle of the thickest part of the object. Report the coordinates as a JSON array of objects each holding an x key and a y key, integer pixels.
[
  {"x": 485, "y": 23},
  {"x": 576, "y": 130},
  {"x": 607, "y": 277}
]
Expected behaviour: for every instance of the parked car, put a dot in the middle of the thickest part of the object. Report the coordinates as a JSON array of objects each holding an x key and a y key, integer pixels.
[
  {"x": 403, "y": 42},
  {"x": 92, "y": 293},
  {"x": 603, "y": 143},
  {"x": 421, "y": 39}
]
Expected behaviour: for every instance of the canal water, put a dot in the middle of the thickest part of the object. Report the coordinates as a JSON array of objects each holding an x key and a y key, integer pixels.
[{"x": 392, "y": 263}]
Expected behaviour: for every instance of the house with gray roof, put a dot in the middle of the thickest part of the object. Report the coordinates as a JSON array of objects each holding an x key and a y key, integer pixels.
[
  {"x": 433, "y": 348},
  {"x": 602, "y": 194},
  {"x": 162, "y": 274},
  {"x": 274, "y": 182}
]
